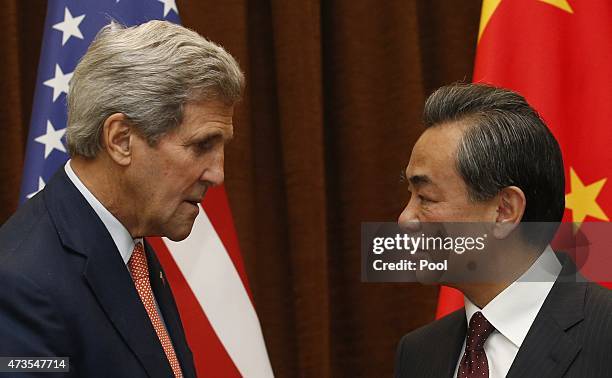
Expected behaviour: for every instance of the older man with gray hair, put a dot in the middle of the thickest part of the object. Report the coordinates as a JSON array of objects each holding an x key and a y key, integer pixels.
[{"x": 149, "y": 112}]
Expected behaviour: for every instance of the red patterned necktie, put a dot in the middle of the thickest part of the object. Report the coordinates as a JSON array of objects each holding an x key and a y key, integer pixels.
[
  {"x": 474, "y": 361},
  {"x": 140, "y": 275}
]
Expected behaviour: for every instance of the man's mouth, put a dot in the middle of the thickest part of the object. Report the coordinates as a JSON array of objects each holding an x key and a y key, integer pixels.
[
  {"x": 193, "y": 202},
  {"x": 196, "y": 200}
]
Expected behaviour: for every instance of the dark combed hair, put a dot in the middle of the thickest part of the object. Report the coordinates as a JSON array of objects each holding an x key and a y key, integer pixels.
[{"x": 505, "y": 144}]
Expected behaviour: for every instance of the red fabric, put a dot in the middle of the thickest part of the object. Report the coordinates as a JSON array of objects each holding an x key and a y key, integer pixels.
[
  {"x": 561, "y": 62},
  {"x": 449, "y": 300}
]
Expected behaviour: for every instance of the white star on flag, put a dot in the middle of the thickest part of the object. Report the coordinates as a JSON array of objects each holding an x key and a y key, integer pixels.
[
  {"x": 168, "y": 6},
  {"x": 41, "y": 185},
  {"x": 59, "y": 83},
  {"x": 52, "y": 139},
  {"x": 70, "y": 26}
]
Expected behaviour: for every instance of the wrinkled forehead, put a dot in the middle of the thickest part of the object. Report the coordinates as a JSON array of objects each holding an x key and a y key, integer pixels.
[
  {"x": 434, "y": 154},
  {"x": 198, "y": 116}
]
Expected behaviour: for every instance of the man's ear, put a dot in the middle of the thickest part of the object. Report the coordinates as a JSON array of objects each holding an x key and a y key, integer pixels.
[
  {"x": 117, "y": 135},
  {"x": 510, "y": 210}
]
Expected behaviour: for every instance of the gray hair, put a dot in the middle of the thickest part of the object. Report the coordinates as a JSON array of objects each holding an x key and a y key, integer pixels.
[
  {"x": 506, "y": 144},
  {"x": 147, "y": 72}
]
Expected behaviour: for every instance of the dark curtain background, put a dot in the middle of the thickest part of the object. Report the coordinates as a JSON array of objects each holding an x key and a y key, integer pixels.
[{"x": 332, "y": 107}]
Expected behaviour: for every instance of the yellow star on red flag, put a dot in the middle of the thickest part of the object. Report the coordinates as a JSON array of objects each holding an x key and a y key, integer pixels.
[
  {"x": 582, "y": 199},
  {"x": 489, "y": 7},
  {"x": 561, "y": 4}
]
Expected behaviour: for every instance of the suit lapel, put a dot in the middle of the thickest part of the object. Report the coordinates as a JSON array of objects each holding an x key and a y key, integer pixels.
[
  {"x": 81, "y": 231},
  {"x": 548, "y": 350},
  {"x": 168, "y": 308},
  {"x": 445, "y": 346},
  {"x": 453, "y": 349}
]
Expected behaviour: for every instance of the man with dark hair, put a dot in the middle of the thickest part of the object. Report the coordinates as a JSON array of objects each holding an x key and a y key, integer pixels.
[{"x": 486, "y": 156}]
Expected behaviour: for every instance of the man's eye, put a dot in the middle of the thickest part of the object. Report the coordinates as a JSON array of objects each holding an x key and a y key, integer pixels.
[
  {"x": 203, "y": 146},
  {"x": 425, "y": 199}
]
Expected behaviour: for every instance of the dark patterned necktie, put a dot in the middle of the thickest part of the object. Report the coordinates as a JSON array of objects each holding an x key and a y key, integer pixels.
[{"x": 474, "y": 361}]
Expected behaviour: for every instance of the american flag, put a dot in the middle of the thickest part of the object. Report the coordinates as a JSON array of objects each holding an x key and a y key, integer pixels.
[{"x": 205, "y": 270}]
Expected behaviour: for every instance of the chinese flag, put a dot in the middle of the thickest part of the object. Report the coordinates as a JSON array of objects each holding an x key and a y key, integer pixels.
[{"x": 558, "y": 54}]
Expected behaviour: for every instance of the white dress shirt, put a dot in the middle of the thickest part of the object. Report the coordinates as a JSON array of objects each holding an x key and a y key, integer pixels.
[
  {"x": 120, "y": 235},
  {"x": 513, "y": 311}
]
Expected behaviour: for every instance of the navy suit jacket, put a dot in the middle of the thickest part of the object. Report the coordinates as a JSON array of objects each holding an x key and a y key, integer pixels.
[
  {"x": 570, "y": 337},
  {"x": 65, "y": 291}
]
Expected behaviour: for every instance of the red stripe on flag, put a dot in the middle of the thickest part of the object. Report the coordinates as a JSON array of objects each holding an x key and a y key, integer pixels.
[
  {"x": 210, "y": 357},
  {"x": 216, "y": 206}
]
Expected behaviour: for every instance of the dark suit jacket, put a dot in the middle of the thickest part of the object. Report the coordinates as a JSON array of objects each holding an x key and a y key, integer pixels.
[
  {"x": 65, "y": 291},
  {"x": 570, "y": 337}
]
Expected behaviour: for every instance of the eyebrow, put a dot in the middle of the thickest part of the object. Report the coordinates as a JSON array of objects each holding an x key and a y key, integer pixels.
[
  {"x": 214, "y": 136},
  {"x": 419, "y": 180}
]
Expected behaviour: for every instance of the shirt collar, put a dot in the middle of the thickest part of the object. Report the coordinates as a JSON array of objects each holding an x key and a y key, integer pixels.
[
  {"x": 122, "y": 238},
  {"x": 513, "y": 311}
]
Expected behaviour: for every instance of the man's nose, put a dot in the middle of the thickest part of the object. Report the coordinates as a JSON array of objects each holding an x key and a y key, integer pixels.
[
  {"x": 409, "y": 219},
  {"x": 214, "y": 169}
]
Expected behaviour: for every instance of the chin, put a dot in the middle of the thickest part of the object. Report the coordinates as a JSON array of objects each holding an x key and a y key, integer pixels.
[
  {"x": 179, "y": 234},
  {"x": 177, "y": 238}
]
